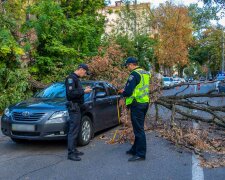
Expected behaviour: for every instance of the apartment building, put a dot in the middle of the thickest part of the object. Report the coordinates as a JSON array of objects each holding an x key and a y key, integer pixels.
[{"x": 127, "y": 19}]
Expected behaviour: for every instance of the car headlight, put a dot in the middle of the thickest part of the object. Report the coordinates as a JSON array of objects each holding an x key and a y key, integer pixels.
[
  {"x": 7, "y": 112},
  {"x": 58, "y": 117}
]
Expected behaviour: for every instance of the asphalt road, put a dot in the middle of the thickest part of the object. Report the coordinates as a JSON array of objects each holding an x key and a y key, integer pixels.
[{"x": 48, "y": 160}]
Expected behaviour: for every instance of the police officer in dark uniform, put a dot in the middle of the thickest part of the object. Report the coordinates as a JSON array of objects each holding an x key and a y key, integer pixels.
[
  {"x": 75, "y": 97},
  {"x": 137, "y": 100}
]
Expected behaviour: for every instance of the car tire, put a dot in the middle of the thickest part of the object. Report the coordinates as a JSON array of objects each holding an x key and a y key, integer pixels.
[
  {"x": 18, "y": 140},
  {"x": 86, "y": 131}
]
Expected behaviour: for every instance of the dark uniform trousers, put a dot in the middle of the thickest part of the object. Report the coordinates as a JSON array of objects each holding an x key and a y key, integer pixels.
[
  {"x": 74, "y": 127},
  {"x": 138, "y": 112}
]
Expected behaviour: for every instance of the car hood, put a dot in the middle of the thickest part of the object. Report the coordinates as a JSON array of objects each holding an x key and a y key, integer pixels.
[{"x": 42, "y": 103}]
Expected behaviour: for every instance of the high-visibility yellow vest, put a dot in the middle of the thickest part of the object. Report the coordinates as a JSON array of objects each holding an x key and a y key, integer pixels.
[{"x": 141, "y": 91}]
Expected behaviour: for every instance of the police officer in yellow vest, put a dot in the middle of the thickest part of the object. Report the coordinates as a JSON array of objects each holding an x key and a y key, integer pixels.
[{"x": 137, "y": 99}]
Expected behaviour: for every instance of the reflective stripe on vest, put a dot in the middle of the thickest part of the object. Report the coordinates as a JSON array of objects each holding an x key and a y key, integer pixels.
[{"x": 141, "y": 91}]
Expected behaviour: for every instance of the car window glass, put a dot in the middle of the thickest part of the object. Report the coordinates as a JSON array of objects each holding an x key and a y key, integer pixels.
[
  {"x": 112, "y": 89},
  {"x": 100, "y": 88},
  {"x": 58, "y": 90}
]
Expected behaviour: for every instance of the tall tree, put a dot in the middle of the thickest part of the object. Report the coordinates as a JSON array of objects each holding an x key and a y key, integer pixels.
[
  {"x": 201, "y": 17},
  {"x": 174, "y": 35},
  {"x": 13, "y": 77},
  {"x": 66, "y": 32},
  {"x": 132, "y": 29}
]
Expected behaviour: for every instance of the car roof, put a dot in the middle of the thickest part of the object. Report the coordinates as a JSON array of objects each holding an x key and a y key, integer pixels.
[{"x": 87, "y": 81}]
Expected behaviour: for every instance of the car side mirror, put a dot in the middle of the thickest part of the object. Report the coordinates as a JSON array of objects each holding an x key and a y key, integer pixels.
[{"x": 100, "y": 94}]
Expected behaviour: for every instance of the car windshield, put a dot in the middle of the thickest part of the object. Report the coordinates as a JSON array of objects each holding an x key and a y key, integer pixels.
[
  {"x": 166, "y": 79},
  {"x": 58, "y": 90}
]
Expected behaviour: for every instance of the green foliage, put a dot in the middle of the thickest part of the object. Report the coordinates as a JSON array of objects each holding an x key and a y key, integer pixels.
[
  {"x": 65, "y": 36},
  {"x": 80, "y": 7},
  {"x": 52, "y": 36},
  {"x": 206, "y": 49},
  {"x": 14, "y": 86},
  {"x": 141, "y": 47},
  {"x": 201, "y": 17},
  {"x": 193, "y": 70},
  {"x": 13, "y": 79},
  {"x": 9, "y": 49}
]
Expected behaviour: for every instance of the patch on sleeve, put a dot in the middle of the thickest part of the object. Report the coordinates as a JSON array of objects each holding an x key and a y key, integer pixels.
[
  {"x": 70, "y": 87},
  {"x": 70, "y": 80},
  {"x": 131, "y": 77}
]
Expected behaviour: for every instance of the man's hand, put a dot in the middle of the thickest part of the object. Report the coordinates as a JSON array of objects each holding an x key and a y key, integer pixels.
[
  {"x": 88, "y": 89},
  {"x": 121, "y": 91}
]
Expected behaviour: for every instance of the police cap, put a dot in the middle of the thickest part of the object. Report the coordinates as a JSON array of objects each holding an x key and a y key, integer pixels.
[
  {"x": 84, "y": 66},
  {"x": 131, "y": 60}
]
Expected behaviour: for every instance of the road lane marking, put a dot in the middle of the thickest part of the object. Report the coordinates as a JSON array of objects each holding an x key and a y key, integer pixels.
[{"x": 197, "y": 170}]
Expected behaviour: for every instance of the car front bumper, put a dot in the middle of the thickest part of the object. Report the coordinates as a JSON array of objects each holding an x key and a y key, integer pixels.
[{"x": 42, "y": 131}]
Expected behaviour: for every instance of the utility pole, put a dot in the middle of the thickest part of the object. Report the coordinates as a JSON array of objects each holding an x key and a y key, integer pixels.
[{"x": 223, "y": 50}]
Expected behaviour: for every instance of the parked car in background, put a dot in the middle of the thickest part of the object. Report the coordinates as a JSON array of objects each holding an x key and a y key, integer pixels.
[
  {"x": 168, "y": 81},
  {"x": 45, "y": 116},
  {"x": 218, "y": 80},
  {"x": 182, "y": 80},
  {"x": 177, "y": 80},
  {"x": 202, "y": 79},
  {"x": 190, "y": 79}
]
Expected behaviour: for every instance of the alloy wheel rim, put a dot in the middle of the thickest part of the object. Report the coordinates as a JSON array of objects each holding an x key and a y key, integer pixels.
[{"x": 86, "y": 131}]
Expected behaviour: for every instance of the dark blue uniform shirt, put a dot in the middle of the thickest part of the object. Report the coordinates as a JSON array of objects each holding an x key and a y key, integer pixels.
[
  {"x": 74, "y": 90},
  {"x": 133, "y": 80}
]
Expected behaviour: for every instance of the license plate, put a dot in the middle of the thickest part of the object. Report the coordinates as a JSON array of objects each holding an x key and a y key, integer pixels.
[{"x": 23, "y": 127}]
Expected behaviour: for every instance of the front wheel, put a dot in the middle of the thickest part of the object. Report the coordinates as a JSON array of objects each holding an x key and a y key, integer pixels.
[{"x": 86, "y": 131}]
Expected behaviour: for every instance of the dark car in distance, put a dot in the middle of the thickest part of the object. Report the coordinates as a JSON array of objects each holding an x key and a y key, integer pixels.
[
  {"x": 202, "y": 79},
  {"x": 45, "y": 117}
]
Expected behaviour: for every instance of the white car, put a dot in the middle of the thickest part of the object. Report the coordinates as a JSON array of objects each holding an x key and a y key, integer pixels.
[
  {"x": 177, "y": 80},
  {"x": 168, "y": 81},
  {"x": 182, "y": 80}
]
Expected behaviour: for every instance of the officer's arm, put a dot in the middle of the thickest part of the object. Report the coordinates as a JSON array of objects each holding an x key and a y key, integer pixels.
[
  {"x": 71, "y": 87},
  {"x": 133, "y": 81}
]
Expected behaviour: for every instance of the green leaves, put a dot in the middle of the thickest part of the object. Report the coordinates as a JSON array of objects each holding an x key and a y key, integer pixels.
[
  {"x": 65, "y": 34},
  {"x": 44, "y": 39},
  {"x": 14, "y": 86},
  {"x": 8, "y": 45}
]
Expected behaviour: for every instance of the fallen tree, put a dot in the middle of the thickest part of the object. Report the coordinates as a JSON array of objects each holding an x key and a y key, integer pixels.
[
  {"x": 180, "y": 103},
  {"x": 207, "y": 141}
]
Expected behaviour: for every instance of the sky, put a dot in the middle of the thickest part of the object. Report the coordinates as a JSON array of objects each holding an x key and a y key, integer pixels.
[{"x": 155, "y": 3}]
